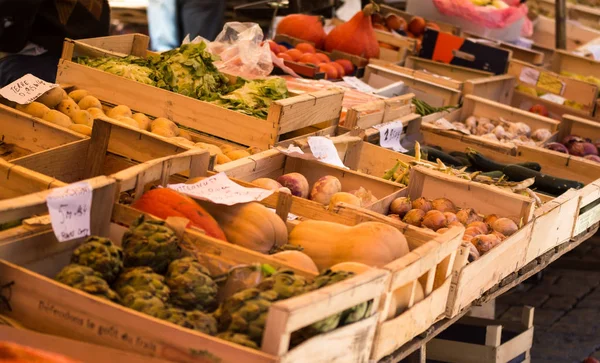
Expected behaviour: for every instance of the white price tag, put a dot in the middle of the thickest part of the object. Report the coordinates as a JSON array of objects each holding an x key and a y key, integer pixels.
[
  {"x": 324, "y": 150},
  {"x": 553, "y": 98},
  {"x": 70, "y": 209},
  {"x": 529, "y": 75},
  {"x": 358, "y": 84},
  {"x": 26, "y": 89},
  {"x": 389, "y": 135},
  {"x": 290, "y": 150},
  {"x": 221, "y": 190}
]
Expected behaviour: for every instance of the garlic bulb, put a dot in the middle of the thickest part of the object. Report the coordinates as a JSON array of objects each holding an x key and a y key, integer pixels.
[
  {"x": 490, "y": 137},
  {"x": 519, "y": 128},
  {"x": 499, "y": 132},
  {"x": 484, "y": 128},
  {"x": 541, "y": 134}
]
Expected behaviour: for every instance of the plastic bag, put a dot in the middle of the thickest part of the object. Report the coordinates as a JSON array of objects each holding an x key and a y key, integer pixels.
[
  {"x": 486, "y": 16},
  {"x": 242, "y": 51}
]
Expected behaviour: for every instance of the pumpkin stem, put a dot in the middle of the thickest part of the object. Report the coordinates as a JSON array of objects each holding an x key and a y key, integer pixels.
[{"x": 371, "y": 8}]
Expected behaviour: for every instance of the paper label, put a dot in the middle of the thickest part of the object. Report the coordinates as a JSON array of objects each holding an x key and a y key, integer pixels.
[
  {"x": 221, "y": 190},
  {"x": 550, "y": 83},
  {"x": 529, "y": 75},
  {"x": 324, "y": 150},
  {"x": 553, "y": 98},
  {"x": 26, "y": 89},
  {"x": 389, "y": 135},
  {"x": 70, "y": 210},
  {"x": 292, "y": 149},
  {"x": 358, "y": 84}
]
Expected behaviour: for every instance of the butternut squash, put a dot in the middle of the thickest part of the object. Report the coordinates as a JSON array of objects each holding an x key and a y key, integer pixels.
[
  {"x": 355, "y": 267},
  {"x": 327, "y": 243},
  {"x": 298, "y": 260},
  {"x": 249, "y": 225}
]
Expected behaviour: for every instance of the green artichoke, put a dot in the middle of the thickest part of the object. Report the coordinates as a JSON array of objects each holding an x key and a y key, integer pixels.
[
  {"x": 138, "y": 279},
  {"x": 241, "y": 339},
  {"x": 150, "y": 243},
  {"x": 285, "y": 283},
  {"x": 191, "y": 285},
  {"x": 202, "y": 322},
  {"x": 101, "y": 255},
  {"x": 86, "y": 279},
  {"x": 144, "y": 302}
]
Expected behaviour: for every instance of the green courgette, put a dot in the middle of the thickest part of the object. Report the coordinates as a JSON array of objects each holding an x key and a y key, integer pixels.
[
  {"x": 544, "y": 183},
  {"x": 485, "y": 164},
  {"x": 433, "y": 154}
]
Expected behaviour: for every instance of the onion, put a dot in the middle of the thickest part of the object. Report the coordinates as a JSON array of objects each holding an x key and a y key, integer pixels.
[
  {"x": 422, "y": 204},
  {"x": 451, "y": 218},
  {"x": 414, "y": 217},
  {"x": 595, "y": 158},
  {"x": 485, "y": 242},
  {"x": 541, "y": 134},
  {"x": 505, "y": 226},
  {"x": 499, "y": 235},
  {"x": 400, "y": 206},
  {"x": 394, "y": 216},
  {"x": 489, "y": 219},
  {"x": 456, "y": 223},
  {"x": 482, "y": 227},
  {"x": 443, "y": 205},
  {"x": 365, "y": 196},
  {"x": 467, "y": 216},
  {"x": 589, "y": 149},
  {"x": 472, "y": 231},
  {"x": 473, "y": 253},
  {"x": 555, "y": 146},
  {"x": 434, "y": 219},
  {"x": 576, "y": 148},
  {"x": 569, "y": 139}
]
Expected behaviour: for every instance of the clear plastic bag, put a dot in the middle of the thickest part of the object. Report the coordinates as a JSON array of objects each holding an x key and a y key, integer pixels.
[
  {"x": 486, "y": 16},
  {"x": 242, "y": 51}
]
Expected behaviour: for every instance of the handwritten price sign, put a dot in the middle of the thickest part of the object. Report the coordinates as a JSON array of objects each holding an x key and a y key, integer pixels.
[
  {"x": 324, "y": 150},
  {"x": 70, "y": 211},
  {"x": 389, "y": 135},
  {"x": 221, "y": 190},
  {"x": 26, "y": 89}
]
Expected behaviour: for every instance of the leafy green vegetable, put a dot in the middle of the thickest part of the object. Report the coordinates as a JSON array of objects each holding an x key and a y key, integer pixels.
[
  {"x": 190, "y": 71},
  {"x": 255, "y": 97}
]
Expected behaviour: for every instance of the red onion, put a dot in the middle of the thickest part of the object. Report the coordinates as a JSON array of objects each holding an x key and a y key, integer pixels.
[
  {"x": 556, "y": 146},
  {"x": 571, "y": 139},
  {"x": 591, "y": 157}
]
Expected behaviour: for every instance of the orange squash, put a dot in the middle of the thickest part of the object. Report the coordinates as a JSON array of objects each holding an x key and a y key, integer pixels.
[
  {"x": 305, "y": 27},
  {"x": 355, "y": 36},
  {"x": 165, "y": 202}
]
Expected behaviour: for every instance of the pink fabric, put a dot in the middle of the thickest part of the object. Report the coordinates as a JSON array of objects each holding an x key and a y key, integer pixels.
[{"x": 486, "y": 17}]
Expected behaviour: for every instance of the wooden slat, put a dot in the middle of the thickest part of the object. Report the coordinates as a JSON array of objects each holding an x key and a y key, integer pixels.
[
  {"x": 457, "y": 73},
  {"x": 497, "y": 88}
]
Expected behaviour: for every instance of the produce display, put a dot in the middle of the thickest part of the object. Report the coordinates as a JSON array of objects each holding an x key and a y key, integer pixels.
[
  {"x": 577, "y": 146},
  {"x": 423, "y": 108},
  {"x": 152, "y": 274},
  {"x": 189, "y": 70},
  {"x": 78, "y": 109},
  {"x": 500, "y": 130},
  {"x": 483, "y": 232},
  {"x": 532, "y": 91}
]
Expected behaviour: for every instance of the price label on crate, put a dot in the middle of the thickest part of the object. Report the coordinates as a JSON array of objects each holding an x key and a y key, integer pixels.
[
  {"x": 221, "y": 190},
  {"x": 553, "y": 98},
  {"x": 26, "y": 89},
  {"x": 389, "y": 135},
  {"x": 70, "y": 210},
  {"x": 324, "y": 150}
]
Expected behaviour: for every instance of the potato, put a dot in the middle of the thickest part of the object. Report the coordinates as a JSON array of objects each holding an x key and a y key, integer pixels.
[
  {"x": 212, "y": 149},
  {"x": 222, "y": 159},
  {"x": 226, "y": 148},
  {"x": 162, "y": 122},
  {"x": 89, "y": 102},
  {"x": 52, "y": 97},
  {"x": 253, "y": 150},
  {"x": 78, "y": 94},
  {"x": 142, "y": 120},
  {"x": 56, "y": 117},
  {"x": 95, "y": 112},
  {"x": 82, "y": 129},
  {"x": 128, "y": 121},
  {"x": 82, "y": 117},
  {"x": 325, "y": 188},
  {"x": 164, "y": 131},
  {"x": 34, "y": 109},
  {"x": 237, "y": 154},
  {"x": 120, "y": 110},
  {"x": 68, "y": 107},
  {"x": 185, "y": 134},
  {"x": 182, "y": 141}
]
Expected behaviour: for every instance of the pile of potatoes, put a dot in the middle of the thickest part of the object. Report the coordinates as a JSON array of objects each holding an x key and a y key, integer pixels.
[{"x": 77, "y": 110}]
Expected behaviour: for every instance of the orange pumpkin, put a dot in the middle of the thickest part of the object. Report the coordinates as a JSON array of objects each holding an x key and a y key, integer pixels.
[
  {"x": 355, "y": 36},
  {"x": 165, "y": 202},
  {"x": 305, "y": 27}
]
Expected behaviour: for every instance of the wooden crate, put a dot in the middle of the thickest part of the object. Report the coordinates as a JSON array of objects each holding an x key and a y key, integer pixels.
[
  {"x": 581, "y": 92},
  {"x": 272, "y": 164},
  {"x": 476, "y": 277},
  {"x": 284, "y": 115},
  {"x": 477, "y": 340},
  {"x": 473, "y": 105},
  {"x": 447, "y": 72},
  {"x": 497, "y": 88},
  {"x": 520, "y": 53},
  {"x": 577, "y": 35},
  {"x": 41, "y": 303},
  {"x": 436, "y": 92},
  {"x": 566, "y": 61}
]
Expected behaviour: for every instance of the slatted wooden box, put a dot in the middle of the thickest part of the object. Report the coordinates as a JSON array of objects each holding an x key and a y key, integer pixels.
[
  {"x": 284, "y": 115},
  {"x": 35, "y": 298},
  {"x": 480, "y": 107},
  {"x": 476, "y": 340}
]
